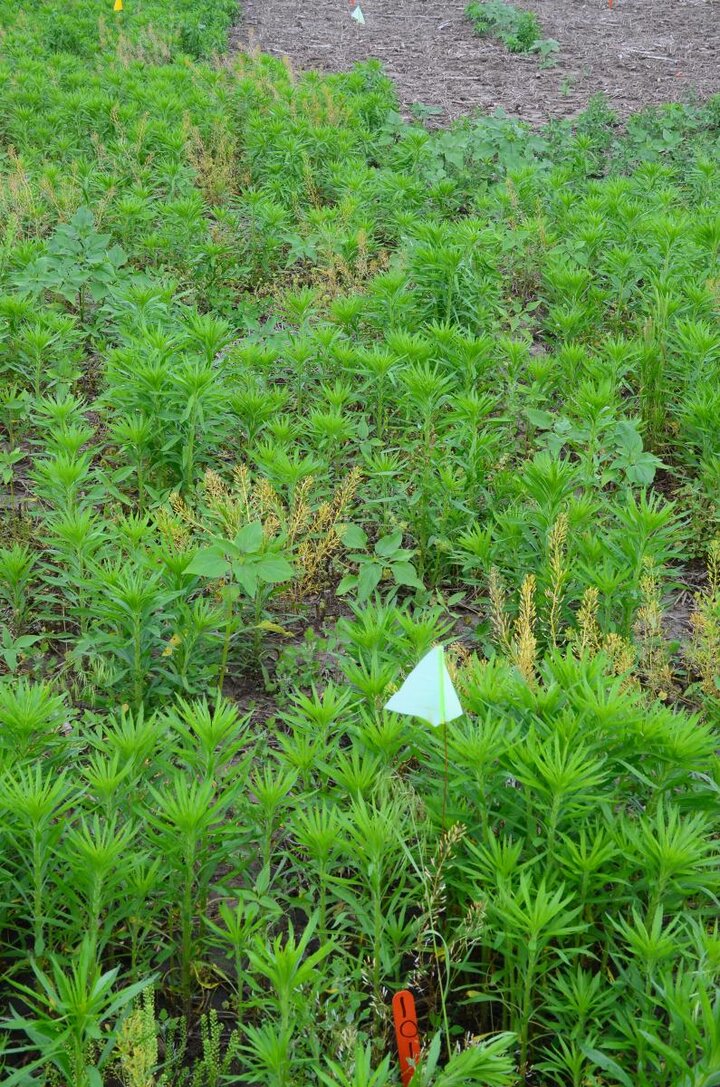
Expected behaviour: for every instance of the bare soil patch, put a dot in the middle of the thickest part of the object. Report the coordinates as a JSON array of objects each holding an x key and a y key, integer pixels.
[{"x": 639, "y": 52}]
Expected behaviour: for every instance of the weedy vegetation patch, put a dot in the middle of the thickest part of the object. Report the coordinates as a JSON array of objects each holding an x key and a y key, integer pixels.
[
  {"x": 290, "y": 393},
  {"x": 519, "y": 30}
]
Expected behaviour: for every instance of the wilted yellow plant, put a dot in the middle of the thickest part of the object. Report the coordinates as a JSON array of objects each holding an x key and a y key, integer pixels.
[
  {"x": 334, "y": 277},
  {"x": 301, "y": 513},
  {"x": 586, "y": 637},
  {"x": 441, "y": 944},
  {"x": 434, "y": 877},
  {"x": 654, "y": 655},
  {"x": 322, "y": 539},
  {"x": 173, "y": 530},
  {"x": 310, "y": 532},
  {"x": 470, "y": 929},
  {"x": 231, "y": 507},
  {"x": 557, "y": 561},
  {"x": 622, "y": 656},
  {"x": 151, "y": 48},
  {"x": 30, "y": 207},
  {"x": 457, "y": 658},
  {"x": 498, "y": 611},
  {"x": 525, "y": 643},
  {"x": 517, "y": 640},
  {"x": 713, "y": 570},
  {"x": 703, "y": 650},
  {"x": 137, "y": 1045},
  {"x": 213, "y": 159}
]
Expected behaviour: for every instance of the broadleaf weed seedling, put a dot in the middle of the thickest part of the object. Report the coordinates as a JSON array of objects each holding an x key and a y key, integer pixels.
[{"x": 519, "y": 30}]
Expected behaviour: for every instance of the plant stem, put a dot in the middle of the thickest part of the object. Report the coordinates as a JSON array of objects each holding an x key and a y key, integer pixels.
[
  {"x": 377, "y": 944},
  {"x": 186, "y": 922},
  {"x": 226, "y": 642},
  {"x": 137, "y": 664},
  {"x": 140, "y": 477},
  {"x": 446, "y": 775},
  {"x": 189, "y": 455},
  {"x": 38, "y": 921},
  {"x": 525, "y": 1013},
  {"x": 322, "y": 902}
]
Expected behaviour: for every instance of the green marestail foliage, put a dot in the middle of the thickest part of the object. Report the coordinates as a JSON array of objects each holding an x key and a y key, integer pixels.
[{"x": 264, "y": 347}]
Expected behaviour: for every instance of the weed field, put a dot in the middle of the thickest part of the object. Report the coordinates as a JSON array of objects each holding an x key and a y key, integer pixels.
[{"x": 291, "y": 392}]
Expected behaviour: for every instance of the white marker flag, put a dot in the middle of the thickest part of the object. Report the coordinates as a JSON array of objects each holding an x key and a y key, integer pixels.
[
  {"x": 428, "y": 691},
  {"x": 358, "y": 16}
]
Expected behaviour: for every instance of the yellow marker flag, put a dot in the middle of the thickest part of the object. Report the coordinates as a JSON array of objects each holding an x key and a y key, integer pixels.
[{"x": 118, "y": 5}]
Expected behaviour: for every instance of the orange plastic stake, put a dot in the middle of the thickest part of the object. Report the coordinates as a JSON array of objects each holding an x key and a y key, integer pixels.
[{"x": 406, "y": 1033}]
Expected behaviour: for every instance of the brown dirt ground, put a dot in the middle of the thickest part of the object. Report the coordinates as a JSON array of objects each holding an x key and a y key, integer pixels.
[{"x": 640, "y": 52}]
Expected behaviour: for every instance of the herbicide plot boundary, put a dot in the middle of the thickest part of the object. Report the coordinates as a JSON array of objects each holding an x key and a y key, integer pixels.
[{"x": 639, "y": 53}]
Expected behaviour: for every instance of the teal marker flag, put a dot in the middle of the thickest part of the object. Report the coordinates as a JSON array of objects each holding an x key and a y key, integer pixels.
[
  {"x": 358, "y": 16},
  {"x": 428, "y": 691}
]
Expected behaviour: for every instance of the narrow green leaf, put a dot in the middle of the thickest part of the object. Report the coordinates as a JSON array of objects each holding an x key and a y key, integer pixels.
[{"x": 607, "y": 1064}]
